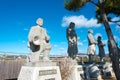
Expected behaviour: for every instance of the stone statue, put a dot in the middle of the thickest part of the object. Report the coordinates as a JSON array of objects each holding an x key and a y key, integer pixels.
[
  {"x": 107, "y": 69},
  {"x": 91, "y": 46},
  {"x": 72, "y": 41},
  {"x": 38, "y": 42},
  {"x": 94, "y": 71},
  {"x": 101, "y": 48}
]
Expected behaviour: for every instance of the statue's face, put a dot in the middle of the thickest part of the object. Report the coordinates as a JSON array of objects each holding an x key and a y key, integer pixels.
[
  {"x": 39, "y": 21},
  {"x": 99, "y": 38},
  {"x": 90, "y": 31},
  {"x": 72, "y": 25}
]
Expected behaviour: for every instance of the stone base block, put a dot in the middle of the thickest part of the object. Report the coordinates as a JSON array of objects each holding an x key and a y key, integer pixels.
[
  {"x": 39, "y": 73},
  {"x": 78, "y": 72}
]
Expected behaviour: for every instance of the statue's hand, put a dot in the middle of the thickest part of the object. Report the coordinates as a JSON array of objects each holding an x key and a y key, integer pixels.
[
  {"x": 70, "y": 40},
  {"x": 103, "y": 44}
]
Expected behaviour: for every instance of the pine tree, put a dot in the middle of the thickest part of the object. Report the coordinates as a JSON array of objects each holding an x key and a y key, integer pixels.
[{"x": 103, "y": 9}]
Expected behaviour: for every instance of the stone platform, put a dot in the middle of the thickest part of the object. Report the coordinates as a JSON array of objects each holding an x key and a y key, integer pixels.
[{"x": 40, "y": 71}]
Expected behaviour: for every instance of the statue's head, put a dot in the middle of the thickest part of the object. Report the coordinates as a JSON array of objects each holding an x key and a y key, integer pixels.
[
  {"x": 90, "y": 31},
  {"x": 72, "y": 25},
  {"x": 99, "y": 38},
  {"x": 39, "y": 21}
]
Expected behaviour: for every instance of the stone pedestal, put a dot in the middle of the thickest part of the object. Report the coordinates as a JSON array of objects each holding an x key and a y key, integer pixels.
[
  {"x": 40, "y": 71},
  {"x": 78, "y": 72}
]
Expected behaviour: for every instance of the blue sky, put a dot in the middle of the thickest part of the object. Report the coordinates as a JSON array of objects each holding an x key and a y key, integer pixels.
[{"x": 17, "y": 17}]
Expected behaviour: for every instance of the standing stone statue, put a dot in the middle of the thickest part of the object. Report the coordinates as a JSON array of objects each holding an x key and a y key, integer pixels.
[
  {"x": 91, "y": 45},
  {"x": 94, "y": 71},
  {"x": 107, "y": 69},
  {"x": 101, "y": 48},
  {"x": 38, "y": 42},
  {"x": 72, "y": 41}
]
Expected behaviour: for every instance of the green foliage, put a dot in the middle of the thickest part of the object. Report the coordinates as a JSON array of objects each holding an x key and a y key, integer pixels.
[
  {"x": 103, "y": 9},
  {"x": 74, "y": 5},
  {"x": 110, "y": 7}
]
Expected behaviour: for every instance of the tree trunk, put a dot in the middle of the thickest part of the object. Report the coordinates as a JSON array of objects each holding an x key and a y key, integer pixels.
[{"x": 114, "y": 48}]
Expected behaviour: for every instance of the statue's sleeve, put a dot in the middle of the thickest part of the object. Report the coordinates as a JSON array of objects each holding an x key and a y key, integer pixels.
[
  {"x": 30, "y": 35},
  {"x": 34, "y": 32},
  {"x": 68, "y": 31},
  {"x": 91, "y": 38}
]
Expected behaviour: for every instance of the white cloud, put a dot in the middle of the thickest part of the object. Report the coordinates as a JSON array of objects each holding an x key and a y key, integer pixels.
[
  {"x": 116, "y": 38},
  {"x": 80, "y": 21},
  {"x": 115, "y": 19},
  {"x": 96, "y": 35},
  {"x": 105, "y": 41},
  {"x": 55, "y": 45},
  {"x": 23, "y": 41},
  {"x": 25, "y": 29},
  {"x": 79, "y": 43},
  {"x": 82, "y": 51},
  {"x": 84, "y": 40},
  {"x": 62, "y": 49},
  {"x": 118, "y": 29}
]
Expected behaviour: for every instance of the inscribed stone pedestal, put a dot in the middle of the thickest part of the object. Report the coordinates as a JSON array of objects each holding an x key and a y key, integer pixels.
[
  {"x": 40, "y": 73},
  {"x": 34, "y": 69}
]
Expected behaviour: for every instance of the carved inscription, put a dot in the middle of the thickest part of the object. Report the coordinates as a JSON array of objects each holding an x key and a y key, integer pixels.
[
  {"x": 47, "y": 72},
  {"x": 80, "y": 69},
  {"x": 50, "y": 79}
]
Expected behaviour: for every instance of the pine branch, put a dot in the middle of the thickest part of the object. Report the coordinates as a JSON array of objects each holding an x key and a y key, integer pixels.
[
  {"x": 115, "y": 21},
  {"x": 93, "y": 3}
]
